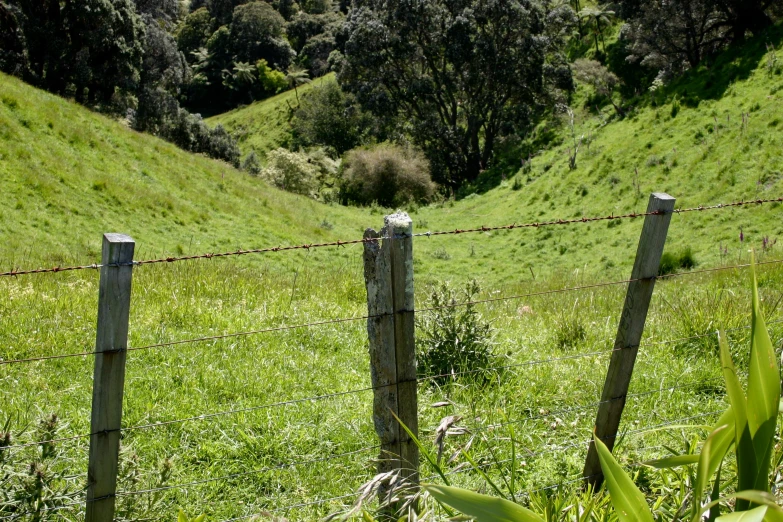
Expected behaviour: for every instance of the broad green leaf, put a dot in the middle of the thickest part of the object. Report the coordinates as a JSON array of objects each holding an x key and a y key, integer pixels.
[
  {"x": 200, "y": 518},
  {"x": 763, "y": 392},
  {"x": 181, "y": 517},
  {"x": 673, "y": 461},
  {"x": 722, "y": 440},
  {"x": 628, "y": 501},
  {"x": 754, "y": 515},
  {"x": 746, "y": 454},
  {"x": 483, "y": 508},
  {"x": 703, "y": 471},
  {"x": 757, "y": 497}
]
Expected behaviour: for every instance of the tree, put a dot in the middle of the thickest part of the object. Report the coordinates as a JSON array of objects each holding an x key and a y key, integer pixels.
[
  {"x": 167, "y": 10},
  {"x": 257, "y": 32},
  {"x": 600, "y": 19},
  {"x": 460, "y": 73},
  {"x": 328, "y": 117},
  {"x": 85, "y": 48},
  {"x": 743, "y": 16},
  {"x": 674, "y": 35},
  {"x": 193, "y": 32},
  {"x": 13, "y": 52},
  {"x": 164, "y": 71},
  {"x": 601, "y": 79},
  {"x": 295, "y": 78}
]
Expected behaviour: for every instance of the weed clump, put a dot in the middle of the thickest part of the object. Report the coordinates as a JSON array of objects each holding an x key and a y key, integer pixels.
[
  {"x": 672, "y": 262},
  {"x": 455, "y": 342}
]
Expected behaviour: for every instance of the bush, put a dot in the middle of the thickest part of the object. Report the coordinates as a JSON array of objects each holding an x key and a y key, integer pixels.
[
  {"x": 388, "y": 175},
  {"x": 251, "y": 164},
  {"x": 454, "y": 340},
  {"x": 328, "y": 117},
  {"x": 291, "y": 171}
]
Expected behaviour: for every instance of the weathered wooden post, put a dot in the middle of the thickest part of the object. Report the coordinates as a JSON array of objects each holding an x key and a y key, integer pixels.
[
  {"x": 388, "y": 274},
  {"x": 109, "y": 375},
  {"x": 630, "y": 329}
]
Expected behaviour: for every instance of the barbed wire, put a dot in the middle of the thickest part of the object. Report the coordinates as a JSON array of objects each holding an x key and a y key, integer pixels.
[
  {"x": 339, "y": 243},
  {"x": 563, "y": 411},
  {"x": 305, "y": 399},
  {"x": 420, "y": 310}
]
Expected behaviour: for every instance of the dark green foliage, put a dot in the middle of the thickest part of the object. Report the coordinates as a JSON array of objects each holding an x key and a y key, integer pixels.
[
  {"x": 672, "y": 262},
  {"x": 257, "y": 33},
  {"x": 481, "y": 73},
  {"x": 87, "y": 49},
  {"x": 454, "y": 342},
  {"x": 194, "y": 31},
  {"x": 674, "y": 35},
  {"x": 388, "y": 175},
  {"x": 328, "y": 117}
]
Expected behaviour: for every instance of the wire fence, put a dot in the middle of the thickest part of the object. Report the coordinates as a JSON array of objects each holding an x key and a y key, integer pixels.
[
  {"x": 375, "y": 316},
  {"x": 480, "y": 429},
  {"x": 339, "y": 243}
]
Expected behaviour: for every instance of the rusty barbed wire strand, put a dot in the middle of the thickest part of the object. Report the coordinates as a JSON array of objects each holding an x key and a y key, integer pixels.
[
  {"x": 339, "y": 243},
  {"x": 422, "y": 310},
  {"x": 302, "y": 400},
  {"x": 595, "y": 285}
]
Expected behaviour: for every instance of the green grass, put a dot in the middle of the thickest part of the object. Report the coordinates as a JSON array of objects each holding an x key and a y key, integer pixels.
[
  {"x": 264, "y": 125},
  {"x": 68, "y": 175}
]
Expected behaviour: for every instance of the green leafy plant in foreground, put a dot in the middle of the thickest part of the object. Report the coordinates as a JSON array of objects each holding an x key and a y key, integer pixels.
[{"x": 749, "y": 424}]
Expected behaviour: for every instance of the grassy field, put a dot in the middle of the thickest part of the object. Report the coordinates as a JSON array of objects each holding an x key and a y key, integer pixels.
[
  {"x": 67, "y": 175},
  {"x": 551, "y": 405}
]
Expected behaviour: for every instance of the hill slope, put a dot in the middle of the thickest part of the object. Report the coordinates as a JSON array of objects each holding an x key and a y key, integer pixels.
[
  {"x": 695, "y": 144},
  {"x": 264, "y": 125},
  {"x": 67, "y": 175}
]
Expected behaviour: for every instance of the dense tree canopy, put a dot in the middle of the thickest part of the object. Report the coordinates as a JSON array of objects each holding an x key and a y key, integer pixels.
[
  {"x": 674, "y": 35},
  {"x": 87, "y": 48},
  {"x": 461, "y": 72}
]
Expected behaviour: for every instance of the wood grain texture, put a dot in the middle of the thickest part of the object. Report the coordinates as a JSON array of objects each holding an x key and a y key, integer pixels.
[
  {"x": 630, "y": 329},
  {"x": 388, "y": 270},
  {"x": 399, "y": 228},
  {"x": 109, "y": 376}
]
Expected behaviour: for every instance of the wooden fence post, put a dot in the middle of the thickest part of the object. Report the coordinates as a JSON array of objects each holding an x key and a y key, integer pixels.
[
  {"x": 109, "y": 375},
  {"x": 388, "y": 274},
  {"x": 630, "y": 329}
]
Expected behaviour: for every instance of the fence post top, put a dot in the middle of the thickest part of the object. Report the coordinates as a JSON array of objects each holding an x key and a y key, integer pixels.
[
  {"x": 662, "y": 196},
  {"x": 399, "y": 221},
  {"x": 112, "y": 237}
]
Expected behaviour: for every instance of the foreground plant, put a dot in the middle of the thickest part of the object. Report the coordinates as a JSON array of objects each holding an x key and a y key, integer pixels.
[{"x": 749, "y": 424}]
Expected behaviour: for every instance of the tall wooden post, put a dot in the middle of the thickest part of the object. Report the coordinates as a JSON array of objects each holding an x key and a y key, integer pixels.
[
  {"x": 109, "y": 376},
  {"x": 388, "y": 273},
  {"x": 630, "y": 329}
]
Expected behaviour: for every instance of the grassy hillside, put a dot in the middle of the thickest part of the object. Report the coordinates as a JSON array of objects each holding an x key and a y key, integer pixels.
[
  {"x": 264, "y": 125},
  {"x": 691, "y": 140},
  {"x": 67, "y": 175}
]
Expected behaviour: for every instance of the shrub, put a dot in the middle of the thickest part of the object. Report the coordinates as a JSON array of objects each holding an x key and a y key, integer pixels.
[
  {"x": 388, "y": 175},
  {"x": 328, "y": 117},
  {"x": 454, "y": 340},
  {"x": 251, "y": 164},
  {"x": 291, "y": 171}
]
